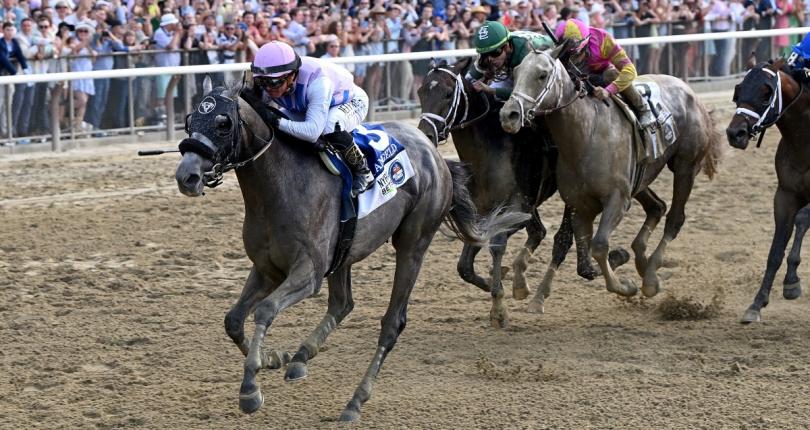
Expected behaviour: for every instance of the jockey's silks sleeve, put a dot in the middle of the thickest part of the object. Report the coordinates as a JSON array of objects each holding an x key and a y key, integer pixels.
[
  {"x": 318, "y": 97},
  {"x": 614, "y": 53}
]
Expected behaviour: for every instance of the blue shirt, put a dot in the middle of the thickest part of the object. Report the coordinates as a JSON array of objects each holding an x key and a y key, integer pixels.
[{"x": 7, "y": 53}]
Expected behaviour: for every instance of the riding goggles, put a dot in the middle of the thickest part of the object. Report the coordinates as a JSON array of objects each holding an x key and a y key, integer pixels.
[{"x": 270, "y": 82}]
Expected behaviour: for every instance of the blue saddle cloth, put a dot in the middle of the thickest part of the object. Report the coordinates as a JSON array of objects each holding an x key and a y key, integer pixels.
[{"x": 378, "y": 146}]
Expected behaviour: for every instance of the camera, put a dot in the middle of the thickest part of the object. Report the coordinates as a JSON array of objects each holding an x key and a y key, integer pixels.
[{"x": 105, "y": 33}]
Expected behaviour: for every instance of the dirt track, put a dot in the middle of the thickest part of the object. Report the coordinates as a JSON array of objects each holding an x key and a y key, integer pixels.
[{"x": 113, "y": 288}]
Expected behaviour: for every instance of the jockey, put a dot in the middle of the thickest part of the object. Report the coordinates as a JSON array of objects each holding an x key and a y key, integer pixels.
[
  {"x": 799, "y": 59},
  {"x": 601, "y": 53},
  {"x": 320, "y": 98},
  {"x": 499, "y": 51}
]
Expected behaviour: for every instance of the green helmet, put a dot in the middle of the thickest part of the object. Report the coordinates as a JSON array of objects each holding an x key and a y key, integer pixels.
[{"x": 490, "y": 36}]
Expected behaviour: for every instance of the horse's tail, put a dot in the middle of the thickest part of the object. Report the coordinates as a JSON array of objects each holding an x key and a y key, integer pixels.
[
  {"x": 463, "y": 218},
  {"x": 714, "y": 149}
]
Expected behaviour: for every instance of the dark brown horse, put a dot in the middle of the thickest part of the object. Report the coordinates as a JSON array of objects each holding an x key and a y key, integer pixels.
[
  {"x": 598, "y": 170},
  {"x": 769, "y": 95}
]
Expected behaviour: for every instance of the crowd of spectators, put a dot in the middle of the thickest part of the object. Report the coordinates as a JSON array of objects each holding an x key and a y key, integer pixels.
[{"x": 41, "y": 36}]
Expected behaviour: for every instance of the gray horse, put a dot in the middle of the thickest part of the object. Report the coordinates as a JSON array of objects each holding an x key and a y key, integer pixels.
[
  {"x": 519, "y": 169},
  {"x": 598, "y": 163},
  {"x": 292, "y": 207}
]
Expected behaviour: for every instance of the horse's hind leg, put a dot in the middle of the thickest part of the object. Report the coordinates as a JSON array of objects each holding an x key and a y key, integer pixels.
[
  {"x": 300, "y": 283},
  {"x": 681, "y": 189},
  {"x": 411, "y": 245},
  {"x": 612, "y": 213},
  {"x": 498, "y": 315},
  {"x": 257, "y": 287},
  {"x": 792, "y": 286},
  {"x": 785, "y": 207},
  {"x": 340, "y": 305},
  {"x": 466, "y": 267},
  {"x": 655, "y": 208}
]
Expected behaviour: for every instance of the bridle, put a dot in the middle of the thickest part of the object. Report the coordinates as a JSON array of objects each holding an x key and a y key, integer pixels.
[
  {"x": 448, "y": 122},
  {"x": 775, "y": 108},
  {"x": 529, "y": 105},
  {"x": 222, "y": 156}
]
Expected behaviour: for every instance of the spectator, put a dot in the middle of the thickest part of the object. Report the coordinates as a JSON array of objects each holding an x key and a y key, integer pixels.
[
  {"x": 104, "y": 44},
  {"x": 48, "y": 47},
  {"x": 9, "y": 49},
  {"x": 23, "y": 99},
  {"x": 62, "y": 13},
  {"x": 229, "y": 43},
  {"x": 166, "y": 38},
  {"x": 117, "y": 112},
  {"x": 645, "y": 21},
  {"x": 718, "y": 14},
  {"x": 81, "y": 48},
  {"x": 297, "y": 32},
  {"x": 11, "y": 12}
]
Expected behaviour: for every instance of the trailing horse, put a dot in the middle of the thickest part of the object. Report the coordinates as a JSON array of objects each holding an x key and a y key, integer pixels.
[
  {"x": 517, "y": 169},
  {"x": 598, "y": 169},
  {"x": 291, "y": 227},
  {"x": 769, "y": 95}
]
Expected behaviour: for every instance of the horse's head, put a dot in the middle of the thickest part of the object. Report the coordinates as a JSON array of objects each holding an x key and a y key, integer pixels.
[
  {"x": 214, "y": 133},
  {"x": 759, "y": 99},
  {"x": 441, "y": 96},
  {"x": 539, "y": 86}
]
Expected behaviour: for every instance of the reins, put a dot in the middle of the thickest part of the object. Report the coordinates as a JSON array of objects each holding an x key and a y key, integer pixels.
[
  {"x": 526, "y": 115},
  {"x": 213, "y": 177}
]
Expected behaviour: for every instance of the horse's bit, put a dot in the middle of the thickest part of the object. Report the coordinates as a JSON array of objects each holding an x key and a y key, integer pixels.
[{"x": 526, "y": 115}]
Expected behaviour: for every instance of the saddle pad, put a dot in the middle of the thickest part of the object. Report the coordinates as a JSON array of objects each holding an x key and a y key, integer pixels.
[
  {"x": 664, "y": 136},
  {"x": 387, "y": 160}
]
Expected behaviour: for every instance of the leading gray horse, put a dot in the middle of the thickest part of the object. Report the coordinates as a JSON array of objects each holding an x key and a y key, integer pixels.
[
  {"x": 598, "y": 166},
  {"x": 292, "y": 207}
]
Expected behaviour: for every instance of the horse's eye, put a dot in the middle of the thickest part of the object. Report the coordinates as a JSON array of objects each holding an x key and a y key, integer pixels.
[
  {"x": 222, "y": 121},
  {"x": 543, "y": 75}
]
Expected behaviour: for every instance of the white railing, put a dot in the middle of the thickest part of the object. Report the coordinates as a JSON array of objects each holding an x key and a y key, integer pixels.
[{"x": 382, "y": 58}]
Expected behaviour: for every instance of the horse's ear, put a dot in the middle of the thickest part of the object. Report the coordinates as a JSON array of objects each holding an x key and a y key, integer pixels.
[
  {"x": 752, "y": 61},
  {"x": 779, "y": 63},
  {"x": 208, "y": 85},
  {"x": 462, "y": 65},
  {"x": 564, "y": 47},
  {"x": 443, "y": 63},
  {"x": 433, "y": 64}
]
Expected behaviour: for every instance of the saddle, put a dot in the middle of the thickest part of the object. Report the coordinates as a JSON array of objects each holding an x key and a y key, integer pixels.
[{"x": 652, "y": 142}]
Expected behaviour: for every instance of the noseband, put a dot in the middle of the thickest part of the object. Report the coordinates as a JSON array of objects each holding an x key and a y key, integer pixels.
[
  {"x": 529, "y": 105},
  {"x": 204, "y": 122},
  {"x": 448, "y": 122},
  {"x": 774, "y": 109}
]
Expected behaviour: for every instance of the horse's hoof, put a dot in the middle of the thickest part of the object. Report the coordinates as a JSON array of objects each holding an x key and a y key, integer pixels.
[
  {"x": 750, "y": 316},
  {"x": 618, "y": 257},
  {"x": 296, "y": 371},
  {"x": 276, "y": 359},
  {"x": 349, "y": 415},
  {"x": 650, "y": 289},
  {"x": 627, "y": 288},
  {"x": 499, "y": 322},
  {"x": 588, "y": 272},
  {"x": 792, "y": 291},
  {"x": 520, "y": 293},
  {"x": 536, "y": 308},
  {"x": 250, "y": 403}
]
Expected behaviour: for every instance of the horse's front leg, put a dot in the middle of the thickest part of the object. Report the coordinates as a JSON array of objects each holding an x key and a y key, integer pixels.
[
  {"x": 536, "y": 232},
  {"x": 612, "y": 214},
  {"x": 792, "y": 286},
  {"x": 301, "y": 282},
  {"x": 785, "y": 207},
  {"x": 257, "y": 287},
  {"x": 340, "y": 305}
]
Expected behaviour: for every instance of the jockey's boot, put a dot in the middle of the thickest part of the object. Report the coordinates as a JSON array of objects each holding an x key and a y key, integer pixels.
[
  {"x": 354, "y": 158},
  {"x": 357, "y": 162},
  {"x": 645, "y": 116}
]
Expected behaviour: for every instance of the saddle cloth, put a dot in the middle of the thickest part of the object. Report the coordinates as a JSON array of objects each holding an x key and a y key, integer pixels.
[
  {"x": 388, "y": 162},
  {"x": 653, "y": 141}
]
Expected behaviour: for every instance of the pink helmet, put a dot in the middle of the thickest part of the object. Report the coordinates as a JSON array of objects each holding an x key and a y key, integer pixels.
[
  {"x": 572, "y": 29},
  {"x": 275, "y": 59}
]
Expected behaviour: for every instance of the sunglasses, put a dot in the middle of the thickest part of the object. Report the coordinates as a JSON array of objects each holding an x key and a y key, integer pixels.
[
  {"x": 82, "y": 31},
  {"x": 44, "y": 27},
  {"x": 494, "y": 53},
  {"x": 269, "y": 82}
]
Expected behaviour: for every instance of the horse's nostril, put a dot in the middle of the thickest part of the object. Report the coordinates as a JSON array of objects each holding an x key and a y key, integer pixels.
[
  {"x": 513, "y": 116},
  {"x": 192, "y": 180}
]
